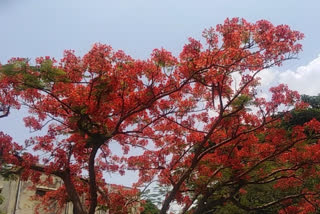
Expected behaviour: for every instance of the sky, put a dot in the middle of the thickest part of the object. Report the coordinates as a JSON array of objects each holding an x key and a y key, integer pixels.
[{"x": 32, "y": 28}]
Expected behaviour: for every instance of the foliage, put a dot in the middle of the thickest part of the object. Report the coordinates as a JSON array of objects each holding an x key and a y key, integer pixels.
[
  {"x": 150, "y": 208},
  {"x": 313, "y": 101},
  {"x": 257, "y": 194},
  {"x": 210, "y": 141},
  {"x": 301, "y": 116}
]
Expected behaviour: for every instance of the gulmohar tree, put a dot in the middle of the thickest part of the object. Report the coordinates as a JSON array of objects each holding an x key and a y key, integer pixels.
[{"x": 206, "y": 137}]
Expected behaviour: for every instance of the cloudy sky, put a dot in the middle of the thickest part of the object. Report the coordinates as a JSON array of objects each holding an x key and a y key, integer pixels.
[{"x": 31, "y": 28}]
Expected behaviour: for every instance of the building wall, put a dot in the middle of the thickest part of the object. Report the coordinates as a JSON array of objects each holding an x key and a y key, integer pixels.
[
  {"x": 17, "y": 196},
  {"x": 9, "y": 192}
]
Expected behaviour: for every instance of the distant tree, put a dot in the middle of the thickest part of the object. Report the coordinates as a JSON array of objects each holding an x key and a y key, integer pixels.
[
  {"x": 313, "y": 101},
  {"x": 301, "y": 116},
  {"x": 150, "y": 208}
]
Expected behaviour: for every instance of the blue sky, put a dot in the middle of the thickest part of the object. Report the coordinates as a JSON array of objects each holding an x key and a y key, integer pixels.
[{"x": 31, "y": 28}]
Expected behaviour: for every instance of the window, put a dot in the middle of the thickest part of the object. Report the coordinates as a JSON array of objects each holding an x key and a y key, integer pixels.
[{"x": 40, "y": 192}]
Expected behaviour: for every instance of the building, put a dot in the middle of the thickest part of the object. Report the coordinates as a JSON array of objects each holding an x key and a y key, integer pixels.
[{"x": 17, "y": 195}]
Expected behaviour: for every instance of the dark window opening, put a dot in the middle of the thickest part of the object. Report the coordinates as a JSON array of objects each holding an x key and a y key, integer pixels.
[{"x": 40, "y": 192}]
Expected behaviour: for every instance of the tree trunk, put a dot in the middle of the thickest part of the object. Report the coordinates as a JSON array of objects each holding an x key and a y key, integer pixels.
[
  {"x": 72, "y": 193},
  {"x": 92, "y": 181}
]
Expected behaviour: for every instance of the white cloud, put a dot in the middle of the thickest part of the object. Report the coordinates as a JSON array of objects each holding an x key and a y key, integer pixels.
[
  {"x": 268, "y": 77},
  {"x": 304, "y": 79}
]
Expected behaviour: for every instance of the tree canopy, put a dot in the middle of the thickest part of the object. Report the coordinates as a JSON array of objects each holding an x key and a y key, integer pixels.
[{"x": 204, "y": 131}]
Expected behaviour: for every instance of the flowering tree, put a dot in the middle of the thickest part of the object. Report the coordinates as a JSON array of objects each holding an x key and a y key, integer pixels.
[{"x": 207, "y": 137}]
